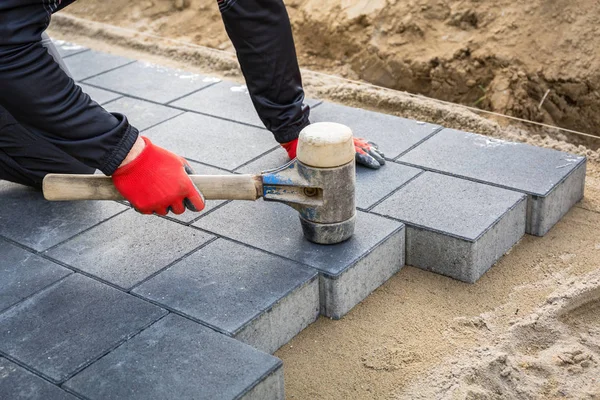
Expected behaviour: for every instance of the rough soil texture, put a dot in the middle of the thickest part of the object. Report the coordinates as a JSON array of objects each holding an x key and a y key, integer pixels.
[
  {"x": 503, "y": 56},
  {"x": 529, "y": 329}
]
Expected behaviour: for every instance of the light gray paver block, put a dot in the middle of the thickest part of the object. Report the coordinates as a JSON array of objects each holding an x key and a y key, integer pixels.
[
  {"x": 17, "y": 383},
  {"x": 179, "y": 359},
  {"x": 394, "y": 135},
  {"x": 100, "y": 96},
  {"x": 213, "y": 141},
  {"x": 456, "y": 227},
  {"x": 27, "y": 218},
  {"x": 226, "y": 100},
  {"x": 350, "y": 271},
  {"x": 90, "y": 63},
  {"x": 66, "y": 49},
  {"x": 151, "y": 82},
  {"x": 129, "y": 248},
  {"x": 260, "y": 299},
  {"x": 553, "y": 180},
  {"x": 23, "y": 273},
  {"x": 62, "y": 329},
  {"x": 142, "y": 114},
  {"x": 371, "y": 185}
]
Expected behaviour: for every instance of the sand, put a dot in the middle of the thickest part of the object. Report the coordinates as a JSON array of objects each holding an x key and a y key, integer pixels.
[{"x": 528, "y": 329}]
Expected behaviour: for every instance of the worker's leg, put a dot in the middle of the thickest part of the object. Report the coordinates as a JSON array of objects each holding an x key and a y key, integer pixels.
[
  {"x": 53, "y": 51},
  {"x": 262, "y": 36}
]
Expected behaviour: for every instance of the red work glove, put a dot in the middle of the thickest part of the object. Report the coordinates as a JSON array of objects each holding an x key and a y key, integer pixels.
[
  {"x": 367, "y": 153},
  {"x": 157, "y": 181}
]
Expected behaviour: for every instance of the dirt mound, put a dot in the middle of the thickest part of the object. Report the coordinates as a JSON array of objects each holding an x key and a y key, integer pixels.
[{"x": 536, "y": 61}]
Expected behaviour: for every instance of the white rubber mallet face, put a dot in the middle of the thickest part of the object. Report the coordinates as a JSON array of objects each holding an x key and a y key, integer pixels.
[{"x": 325, "y": 145}]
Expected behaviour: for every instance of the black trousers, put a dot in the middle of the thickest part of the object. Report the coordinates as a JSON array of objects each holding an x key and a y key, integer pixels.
[{"x": 48, "y": 125}]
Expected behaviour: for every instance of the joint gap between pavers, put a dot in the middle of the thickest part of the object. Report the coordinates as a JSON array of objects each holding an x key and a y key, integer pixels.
[
  {"x": 112, "y": 348},
  {"x": 44, "y": 289},
  {"x": 209, "y": 165},
  {"x": 317, "y": 104},
  {"x": 78, "y": 52},
  {"x": 420, "y": 142},
  {"x": 84, "y": 231},
  {"x": 146, "y": 279},
  {"x": 191, "y": 93},
  {"x": 255, "y": 158},
  {"x": 215, "y": 208},
  {"x": 395, "y": 191},
  {"x": 24, "y": 247},
  {"x": 73, "y": 393},
  {"x": 523, "y": 198},
  {"x": 107, "y": 71},
  {"x": 110, "y": 101},
  {"x": 217, "y": 117},
  {"x": 161, "y": 122}
]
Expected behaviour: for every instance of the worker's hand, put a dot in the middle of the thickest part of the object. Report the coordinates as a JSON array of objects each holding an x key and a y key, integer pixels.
[
  {"x": 157, "y": 181},
  {"x": 367, "y": 153}
]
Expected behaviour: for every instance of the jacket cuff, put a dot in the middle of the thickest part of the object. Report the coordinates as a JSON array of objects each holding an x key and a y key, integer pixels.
[{"x": 114, "y": 158}]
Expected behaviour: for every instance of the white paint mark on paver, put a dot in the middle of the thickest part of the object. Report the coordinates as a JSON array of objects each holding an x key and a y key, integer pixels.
[
  {"x": 240, "y": 89},
  {"x": 211, "y": 79}
]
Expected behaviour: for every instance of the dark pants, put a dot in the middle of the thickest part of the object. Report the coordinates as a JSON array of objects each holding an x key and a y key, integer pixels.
[{"x": 48, "y": 125}]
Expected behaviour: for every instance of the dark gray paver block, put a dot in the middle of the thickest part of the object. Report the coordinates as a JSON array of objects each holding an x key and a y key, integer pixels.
[
  {"x": 213, "y": 141},
  {"x": 226, "y": 100},
  {"x": 17, "y": 383},
  {"x": 100, "y": 96},
  {"x": 258, "y": 298},
  {"x": 394, "y": 135},
  {"x": 151, "y": 82},
  {"x": 179, "y": 359},
  {"x": 66, "y": 49},
  {"x": 350, "y": 271},
  {"x": 371, "y": 185},
  {"x": 456, "y": 227},
  {"x": 553, "y": 180},
  {"x": 129, "y": 248},
  {"x": 142, "y": 114},
  {"x": 23, "y": 273},
  {"x": 61, "y": 330},
  {"x": 27, "y": 218},
  {"x": 90, "y": 63}
]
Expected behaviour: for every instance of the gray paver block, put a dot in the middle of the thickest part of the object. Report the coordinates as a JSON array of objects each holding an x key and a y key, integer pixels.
[
  {"x": 16, "y": 383},
  {"x": 23, "y": 273},
  {"x": 62, "y": 329},
  {"x": 213, "y": 141},
  {"x": 260, "y": 299},
  {"x": 42, "y": 224},
  {"x": 142, "y": 114},
  {"x": 129, "y": 248},
  {"x": 66, "y": 49},
  {"x": 394, "y": 135},
  {"x": 100, "y": 96},
  {"x": 371, "y": 185},
  {"x": 179, "y": 359},
  {"x": 553, "y": 180},
  {"x": 350, "y": 271},
  {"x": 456, "y": 227},
  {"x": 151, "y": 82},
  {"x": 226, "y": 100},
  {"x": 90, "y": 63}
]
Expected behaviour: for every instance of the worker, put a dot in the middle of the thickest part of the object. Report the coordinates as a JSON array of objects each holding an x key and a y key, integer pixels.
[{"x": 48, "y": 125}]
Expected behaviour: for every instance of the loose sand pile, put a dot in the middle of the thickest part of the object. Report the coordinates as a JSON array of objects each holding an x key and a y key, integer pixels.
[{"x": 528, "y": 329}]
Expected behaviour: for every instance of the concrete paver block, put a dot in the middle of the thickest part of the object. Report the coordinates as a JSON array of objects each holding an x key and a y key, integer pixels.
[
  {"x": 90, "y": 63},
  {"x": 394, "y": 135},
  {"x": 349, "y": 271},
  {"x": 456, "y": 227},
  {"x": 27, "y": 218},
  {"x": 64, "y": 328},
  {"x": 23, "y": 273},
  {"x": 142, "y": 114},
  {"x": 260, "y": 299},
  {"x": 151, "y": 82},
  {"x": 129, "y": 248},
  {"x": 553, "y": 180},
  {"x": 100, "y": 96},
  {"x": 213, "y": 141},
  {"x": 66, "y": 49},
  {"x": 179, "y": 359},
  {"x": 17, "y": 383},
  {"x": 224, "y": 97}
]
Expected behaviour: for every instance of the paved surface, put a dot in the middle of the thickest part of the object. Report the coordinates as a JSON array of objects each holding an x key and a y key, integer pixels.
[{"x": 99, "y": 302}]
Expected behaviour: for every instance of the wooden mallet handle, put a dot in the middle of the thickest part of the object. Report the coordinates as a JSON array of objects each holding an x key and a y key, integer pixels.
[{"x": 60, "y": 187}]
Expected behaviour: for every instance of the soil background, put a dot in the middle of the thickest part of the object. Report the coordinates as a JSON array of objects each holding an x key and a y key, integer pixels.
[{"x": 530, "y": 328}]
